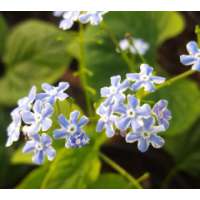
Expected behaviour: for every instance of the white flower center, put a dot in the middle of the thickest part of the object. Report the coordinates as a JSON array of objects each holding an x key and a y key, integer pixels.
[
  {"x": 197, "y": 55},
  {"x": 72, "y": 129},
  {"x": 39, "y": 146},
  {"x": 104, "y": 118},
  {"x": 78, "y": 141},
  {"x": 53, "y": 92},
  {"x": 146, "y": 135},
  {"x": 131, "y": 113},
  {"x": 144, "y": 77},
  {"x": 113, "y": 90},
  {"x": 38, "y": 117}
]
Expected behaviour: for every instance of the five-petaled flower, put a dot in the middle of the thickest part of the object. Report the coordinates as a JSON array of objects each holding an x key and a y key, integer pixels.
[
  {"x": 194, "y": 56},
  {"x": 114, "y": 93},
  {"x": 70, "y": 128},
  {"x": 163, "y": 114},
  {"x": 107, "y": 120},
  {"x": 134, "y": 45},
  {"x": 41, "y": 147},
  {"x": 53, "y": 93},
  {"x": 146, "y": 135},
  {"x": 145, "y": 79},
  {"x": 132, "y": 113},
  {"x": 39, "y": 119}
]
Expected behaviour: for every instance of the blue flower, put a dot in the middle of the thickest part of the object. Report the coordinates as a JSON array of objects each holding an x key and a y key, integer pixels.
[
  {"x": 13, "y": 130},
  {"x": 144, "y": 79},
  {"x": 194, "y": 56},
  {"x": 132, "y": 114},
  {"x": 70, "y": 129},
  {"x": 25, "y": 103},
  {"x": 134, "y": 45},
  {"x": 163, "y": 115},
  {"x": 39, "y": 119},
  {"x": 69, "y": 17},
  {"x": 53, "y": 93},
  {"x": 41, "y": 147},
  {"x": 94, "y": 18},
  {"x": 114, "y": 93},
  {"x": 146, "y": 135},
  {"x": 77, "y": 140},
  {"x": 107, "y": 120}
]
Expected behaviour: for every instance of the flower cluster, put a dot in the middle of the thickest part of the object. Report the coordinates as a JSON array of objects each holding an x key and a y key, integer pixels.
[
  {"x": 32, "y": 118},
  {"x": 134, "y": 45},
  {"x": 124, "y": 112},
  {"x": 69, "y": 17}
]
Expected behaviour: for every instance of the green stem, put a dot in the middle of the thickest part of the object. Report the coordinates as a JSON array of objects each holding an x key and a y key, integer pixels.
[
  {"x": 143, "y": 177},
  {"x": 172, "y": 80},
  {"x": 121, "y": 171},
  {"x": 176, "y": 78},
  {"x": 82, "y": 71},
  {"x": 116, "y": 43},
  {"x": 168, "y": 178}
]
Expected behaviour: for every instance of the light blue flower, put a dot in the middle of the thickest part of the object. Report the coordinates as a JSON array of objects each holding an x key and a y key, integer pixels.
[
  {"x": 94, "y": 18},
  {"x": 53, "y": 93},
  {"x": 146, "y": 135},
  {"x": 163, "y": 115},
  {"x": 77, "y": 140},
  {"x": 144, "y": 79},
  {"x": 132, "y": 114},
  {"x": 13, "y": 130},
  {"x": 71, "y": 128},
  {"x": 114, "y": 94},
  {"x": 25, "y": 103},
  {"x": 69, "y": 17},
  {"x": 194, "y": 56},
  {"x": 107, "y": 120},
  {"x": 134, "y": 45},
  {"x": 41, "y": 146},
  {"x": 39, "y": 119}
]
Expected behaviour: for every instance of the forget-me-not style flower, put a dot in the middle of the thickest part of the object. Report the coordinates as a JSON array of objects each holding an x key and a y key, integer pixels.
[
  {"x": 114, "y": 93},
  {"x": 94, "y": 18},
  {"x": 194, "y": 56},
  {"x": 163, "y": 114},
  {"x": 132, "y": 114},
  {"x": 13, "y": 130},
  {"x": 41, "y": 146},
  {"x": 107, "y": 120},
  {"x": 146, "y": 135},
  {"x": 145, "y": 79},
  {"x": 70, "y": 127},
  {"x": 39, "y": 119},
  {"x": 25, "y": 103},
  {"x": 53, "y": 93},
  {"x": 134, "y": 45},
  {"x": 77, "y": 140}
]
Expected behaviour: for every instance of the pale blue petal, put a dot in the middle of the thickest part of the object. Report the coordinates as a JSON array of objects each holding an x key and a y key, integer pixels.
[
  {"x": 74, "y": 116},
  {"x": 123, "y": 123},
  {"x": 45, "y": 139},
  {"x": 38, "y": 158},
  {"x": 59, "y": 133},
  {"x": 187, "y": 59},
  {"x": 143, "y": 144},
  {"x": 133, "y": 76},
  {"x": 196, "y": 66},
  {"x": 115, "y": 80},
  {"x": 28, "y": 117},
  {"x": 105, "y": 91},
  {"x": 109, "y": 130},
  {"x": 192, "y": 47},
  {"x": 63, "y": 121},
  {"x": 146, "y": 69},
  {"x": 132, "y": 137},
  {"x": 100, "y": 125},
  {"x": 29, "y": 146},
  {"x": 37, "y": 107},
  {"x": 132, "y": 101},
  {"x": 158, "y": 79},
  {"x": 51, "y": 153},
  {"x": 46, "y": 124},
  {"x": 62, "y": 86},
  {"x": 156, "y": 141},
  {"x": 83, "y": 121}
]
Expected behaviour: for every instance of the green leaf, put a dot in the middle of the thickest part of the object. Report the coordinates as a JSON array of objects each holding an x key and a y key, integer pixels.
[
  {"x": 73, "y": 168},
  {"x": 34, "y": 179},
  {"x": 35, "y": 53},
  {"x": 3, "y": 32},
  {"x": 185, "y": 150},
  {"x": 101, "y": 56},
  {"x": 184, "y": 99},
  {"x": 18, "y": 157},
  {"x": 110, "y": 181}
]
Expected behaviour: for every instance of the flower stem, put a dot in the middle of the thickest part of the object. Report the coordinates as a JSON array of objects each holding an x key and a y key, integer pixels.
[
  {"x": 115, "y": 42},
  {"x": 176, "y": 78},
  {"x": 169, "y": 177},
  {"x": 82, "y": 70},
  {"x": 121, "y": 171}
]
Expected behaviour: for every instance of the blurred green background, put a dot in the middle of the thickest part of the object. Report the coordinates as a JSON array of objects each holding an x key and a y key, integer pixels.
[{"x": 34, "y": 50}]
